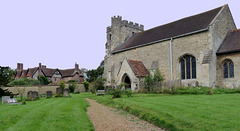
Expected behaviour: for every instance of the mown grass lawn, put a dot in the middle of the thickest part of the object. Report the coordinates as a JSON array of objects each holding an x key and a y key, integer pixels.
[
  {"x": 47, "y": 115},
  {"x": 182, "y": 112}
]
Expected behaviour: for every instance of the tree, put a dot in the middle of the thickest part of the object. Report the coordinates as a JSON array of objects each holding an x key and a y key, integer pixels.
[
  {"x": 6, "y": 75},
  {"x": 43, "y": 80},
  {"x": 95, "y": 73}
]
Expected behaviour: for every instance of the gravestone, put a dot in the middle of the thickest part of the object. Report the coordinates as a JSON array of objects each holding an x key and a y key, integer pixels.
[
  {"x": 76, "y": 91},
  {"x": 5, "y": 99},
  {"x": 35, "y": 95},
  {"x": 49, "y": 94},
  {"x": 30, "y": 94},
  {"x": 66, "y": 92},
  {"x": 59, "y": 90},
  {"x": 234, "y": 85}
]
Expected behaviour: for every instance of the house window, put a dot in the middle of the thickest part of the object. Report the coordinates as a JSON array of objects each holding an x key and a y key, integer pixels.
[
  {"x": 188, "y": 67},
  {"x": 55, "y": 79},
  {"x": 228, "y": 69}
]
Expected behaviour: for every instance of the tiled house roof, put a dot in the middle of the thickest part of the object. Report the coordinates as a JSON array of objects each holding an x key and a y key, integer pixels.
[
  {"x": 138, "y": 68},
  {"x": 177, "y": 28},
  {"x": 48, "y": 72},
  {"x": 231, "y": 43}
]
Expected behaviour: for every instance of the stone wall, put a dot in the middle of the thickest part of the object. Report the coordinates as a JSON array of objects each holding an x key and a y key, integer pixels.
[
  {"x": 41, "y": 90},
  {"x": 228, "y": 82},
  {"x": 161, "y": 52},
  {"x": 218, "y": 30}
]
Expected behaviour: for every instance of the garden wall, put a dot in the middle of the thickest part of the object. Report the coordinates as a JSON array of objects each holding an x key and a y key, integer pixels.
[{"x": 41, "y": 89}]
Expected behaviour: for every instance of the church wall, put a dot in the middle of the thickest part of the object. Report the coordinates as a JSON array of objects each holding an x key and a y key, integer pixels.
[
  {"x": 193, "y": 44},
  {"x": 228, "y": 82},
  {"x": 219, "y": 28}
]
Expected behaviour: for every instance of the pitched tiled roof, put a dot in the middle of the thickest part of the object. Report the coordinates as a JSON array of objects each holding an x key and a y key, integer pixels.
[
  {"x": 66, "y": 73},
  {"x": 48, "y": 72},
  {"x": 177, "y": 28},
  {"x": 138, "y": 68},
  {"x": 31, "y": 71},
  {"x": 231, "y": 43}
]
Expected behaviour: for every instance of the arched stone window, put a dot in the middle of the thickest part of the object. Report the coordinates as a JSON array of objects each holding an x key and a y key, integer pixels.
[
  {"x": 228, "y": 69},
  {"x": 188, "y": 67}
]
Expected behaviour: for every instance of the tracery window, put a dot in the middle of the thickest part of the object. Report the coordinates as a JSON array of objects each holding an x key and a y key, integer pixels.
[
  {"x": 188, "y": 67},
  {"x": 228, "y": 69}
]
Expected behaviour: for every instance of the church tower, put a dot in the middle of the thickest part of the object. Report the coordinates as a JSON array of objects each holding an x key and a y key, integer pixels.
[{"x": 119, "y": 31}]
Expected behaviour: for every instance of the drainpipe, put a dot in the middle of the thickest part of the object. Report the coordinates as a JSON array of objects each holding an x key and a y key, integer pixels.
[{"x": 171, "y": 59}]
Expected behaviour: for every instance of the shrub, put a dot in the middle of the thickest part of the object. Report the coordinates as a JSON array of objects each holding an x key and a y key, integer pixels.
[
  {"x": 24, "y": 103},
  {"x": 99, "y": 84},
  {"x": 86, "y": 85},
  {"x": 72, "y": 87},
  {"x": 58, "y": 95},
  {"x": 128, "y": 93},
  {"x": 43, "y": 80},
  {"x": 153, "y": 83},
  {"x": 71, "y": 81},
  {"x": 62, "y": 84}
]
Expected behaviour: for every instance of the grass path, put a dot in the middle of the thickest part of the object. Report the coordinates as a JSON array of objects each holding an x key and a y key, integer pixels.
[{"x": 47, "y": 114}]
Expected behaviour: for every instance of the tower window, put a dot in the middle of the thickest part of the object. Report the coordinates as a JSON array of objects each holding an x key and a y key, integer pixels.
[
  {"x": 110, "y": 37},
  {"x": 133, "y": 33},
  {"x": 188, "y": 67}
]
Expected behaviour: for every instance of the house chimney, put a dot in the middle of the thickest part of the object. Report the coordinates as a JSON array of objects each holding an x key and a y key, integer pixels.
[
  {"x": 40, "y": 70},
  {"x": 44, "y": 66},
  {"x": 76, "y": 66},
  {"x": 19, "y": 66}
]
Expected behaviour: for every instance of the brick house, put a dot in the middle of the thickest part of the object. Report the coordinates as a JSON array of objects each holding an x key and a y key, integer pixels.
[
  {"x": 55, "y": 75},
  {"x": 202, "y": 49}
]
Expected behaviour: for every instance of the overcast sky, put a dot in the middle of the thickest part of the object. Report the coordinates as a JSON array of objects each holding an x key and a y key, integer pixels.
[{"x": 59, "y": 33}]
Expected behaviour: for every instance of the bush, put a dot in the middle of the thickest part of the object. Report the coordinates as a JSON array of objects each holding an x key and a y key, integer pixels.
[
  {"x": 128, "y": 93},
  {"x": 86, "y": 85},
  {"x": 43, "y": 80},
  {"x": 99, "y": 84},
  {"x": 62, "y": 84},
  {"x": 152, "y": 83},
  {"x": 72, "y": 87},
  {"x": 71, "y": 81},
  {"x": 58, "y": 95},
  {"x": 24, "y": 82},
  {"x": 24, "y": 103}
]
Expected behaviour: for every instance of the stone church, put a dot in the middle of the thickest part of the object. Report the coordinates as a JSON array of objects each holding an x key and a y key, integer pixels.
[{"x": 202, "y": 49}]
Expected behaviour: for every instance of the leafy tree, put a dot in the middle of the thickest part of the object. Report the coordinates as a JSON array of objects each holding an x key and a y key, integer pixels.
[
  {"x": 43, "y": 80},
  {"x": 95, "y": 73},
  {"x": 62, "y": 84},
  {"x": 6, "y": 75}
]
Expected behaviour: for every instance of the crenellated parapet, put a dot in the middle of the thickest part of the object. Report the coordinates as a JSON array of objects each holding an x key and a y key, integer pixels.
[{"x": 132, "y": 25}]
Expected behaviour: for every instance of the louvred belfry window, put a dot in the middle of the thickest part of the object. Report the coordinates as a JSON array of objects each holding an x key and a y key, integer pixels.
[{"x": 188, "y": 67}]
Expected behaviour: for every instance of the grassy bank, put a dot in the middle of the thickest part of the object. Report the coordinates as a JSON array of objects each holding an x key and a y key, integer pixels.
[
  {"x": 47, "y": 114},
  {"x": 182, "y": 112}
]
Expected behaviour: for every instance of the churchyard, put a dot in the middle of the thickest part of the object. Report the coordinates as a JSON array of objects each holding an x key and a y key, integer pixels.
[{"x": 172, "y": 112}]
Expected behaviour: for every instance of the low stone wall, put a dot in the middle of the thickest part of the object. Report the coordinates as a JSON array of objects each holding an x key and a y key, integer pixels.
[{"x": 41, "y": 89}]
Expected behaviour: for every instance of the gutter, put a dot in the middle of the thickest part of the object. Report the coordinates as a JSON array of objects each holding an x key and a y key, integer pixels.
[{"x": 154, "y": 42}]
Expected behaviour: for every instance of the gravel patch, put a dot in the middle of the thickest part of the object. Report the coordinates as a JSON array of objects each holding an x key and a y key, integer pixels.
[{"x": 110, "y": 119}]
